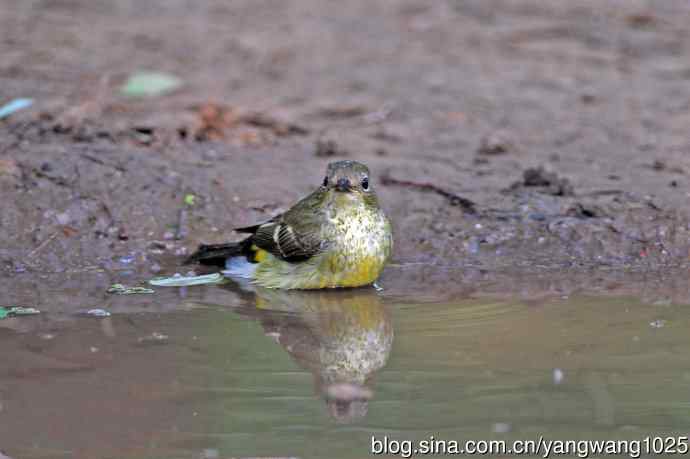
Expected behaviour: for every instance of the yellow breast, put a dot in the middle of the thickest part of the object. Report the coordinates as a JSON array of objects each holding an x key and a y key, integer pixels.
[
  {"x": 344, "y": 272},
  {"x": 327, "y": 270}
]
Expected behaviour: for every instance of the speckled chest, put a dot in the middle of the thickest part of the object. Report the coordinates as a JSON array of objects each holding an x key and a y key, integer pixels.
[{"x": 358, "y": 233}]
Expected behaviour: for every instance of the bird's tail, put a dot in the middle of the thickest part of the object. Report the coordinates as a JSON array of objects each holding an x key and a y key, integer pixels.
[{"x": 217, "y": 254}]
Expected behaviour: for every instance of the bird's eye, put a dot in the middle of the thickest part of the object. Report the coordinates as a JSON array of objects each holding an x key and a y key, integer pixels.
[
  {"x": 365, "y": 183},
  {"x": 325, "y": 181}
]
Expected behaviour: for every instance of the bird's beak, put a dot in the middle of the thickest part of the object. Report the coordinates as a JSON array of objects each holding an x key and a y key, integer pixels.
[{"x": 343, "y": 185}]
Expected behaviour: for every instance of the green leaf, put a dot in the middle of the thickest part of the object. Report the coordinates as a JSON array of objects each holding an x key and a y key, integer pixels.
[
  {"x": 20, "y": 311},
  {"x": 185, "y": 281},
  {"x": 189, "y": 199},
  {"x": 148, "y": 84},
  {"x": 119, "y": 289},
  {"x": 12, "y": 311}
]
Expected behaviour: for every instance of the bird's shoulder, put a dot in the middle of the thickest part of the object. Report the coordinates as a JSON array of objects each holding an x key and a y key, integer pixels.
[{"x": 294, "y": 235}]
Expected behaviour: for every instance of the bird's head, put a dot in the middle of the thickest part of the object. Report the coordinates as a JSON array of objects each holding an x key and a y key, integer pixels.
[{"x": 351, "y": 179}]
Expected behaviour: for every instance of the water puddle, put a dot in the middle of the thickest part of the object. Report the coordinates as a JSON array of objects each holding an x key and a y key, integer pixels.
[{"x": 213, "y": 371}]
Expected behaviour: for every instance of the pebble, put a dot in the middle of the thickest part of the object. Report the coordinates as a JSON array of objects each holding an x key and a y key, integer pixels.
[
  {"x": 495, "y": 143},
  {"x": 96, "y": 313},
  {"x": 63, "y": 218},
  {"x": 501, "y": 427},
  {"x": 127, "y": 259},
  {"x": 472, "y": 245},
  {"x": 154, "y": 338}
]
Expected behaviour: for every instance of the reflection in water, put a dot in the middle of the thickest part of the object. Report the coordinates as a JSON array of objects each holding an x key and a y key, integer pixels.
[
  {"x": 342, "y": 337},
  {"x": 562, "y": 368}
]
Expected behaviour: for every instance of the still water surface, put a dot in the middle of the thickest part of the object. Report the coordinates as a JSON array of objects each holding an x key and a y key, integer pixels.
[{"x": 315, "y": 374}]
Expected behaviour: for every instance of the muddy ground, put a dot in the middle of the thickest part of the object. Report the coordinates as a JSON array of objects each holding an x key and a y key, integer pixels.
[{"x": 519, "y": 135}]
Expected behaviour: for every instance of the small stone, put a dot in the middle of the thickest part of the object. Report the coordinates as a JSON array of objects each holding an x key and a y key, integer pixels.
[
  {"x": 548, "y": 182},
  {"x": 588, "y": 98},
  {"x": 501, "y": 427},
  {"x": 126, "y": 260},
  {"x": 641, "y": 20},
  {"x": 96, "y": 313},
  {"x": 472, "y": 245},
  {"x": 326, "y": 148},
  {"x": 122, "y": 234},
  {"x": 63, "y": 218},
  {"x": 210, "y": 155},
  {"x": 154, "y": 338},
  {"x": 558, "y": 376},
  {"x": 494, "y": 144}
]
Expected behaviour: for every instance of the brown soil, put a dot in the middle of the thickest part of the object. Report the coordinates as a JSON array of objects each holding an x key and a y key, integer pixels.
[{"x": 523, "y": 134}]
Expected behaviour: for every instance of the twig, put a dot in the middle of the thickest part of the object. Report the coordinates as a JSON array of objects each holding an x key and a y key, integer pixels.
[
  {"x": 60, "y": 181},
  {"x": 603, "y": 193},
  {"x": 454, "y": 199},
  {"x": 278, "y": 127},
  {"x": 181, "y": 232},
  {"x": 102, "y": 163},
  {"x": 42, "y": 245}
]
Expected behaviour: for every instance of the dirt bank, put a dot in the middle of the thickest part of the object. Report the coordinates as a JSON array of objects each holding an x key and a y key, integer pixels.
[{"x": 563, "y": 125}]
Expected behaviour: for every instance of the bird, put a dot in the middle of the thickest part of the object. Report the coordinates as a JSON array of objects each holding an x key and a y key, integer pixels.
[{"x": 337, "y": 236}]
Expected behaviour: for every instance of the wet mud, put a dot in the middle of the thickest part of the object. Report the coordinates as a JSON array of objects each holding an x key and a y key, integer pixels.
[{"x": 511, "y": 135}]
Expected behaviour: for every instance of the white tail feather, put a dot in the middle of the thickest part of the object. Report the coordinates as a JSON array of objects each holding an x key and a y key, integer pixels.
[{"x": 239, "y": 267}]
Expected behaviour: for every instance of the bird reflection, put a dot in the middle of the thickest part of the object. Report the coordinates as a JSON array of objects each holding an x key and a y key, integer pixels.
[{"x": 342, "y": 337}]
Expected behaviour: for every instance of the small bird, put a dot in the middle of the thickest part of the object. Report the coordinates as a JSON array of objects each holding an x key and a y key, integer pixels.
[{"x": 337, "y": 236}]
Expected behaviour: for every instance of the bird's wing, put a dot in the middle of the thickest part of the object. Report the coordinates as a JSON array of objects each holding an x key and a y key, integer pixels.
[{"x": 295, "y": 235}]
